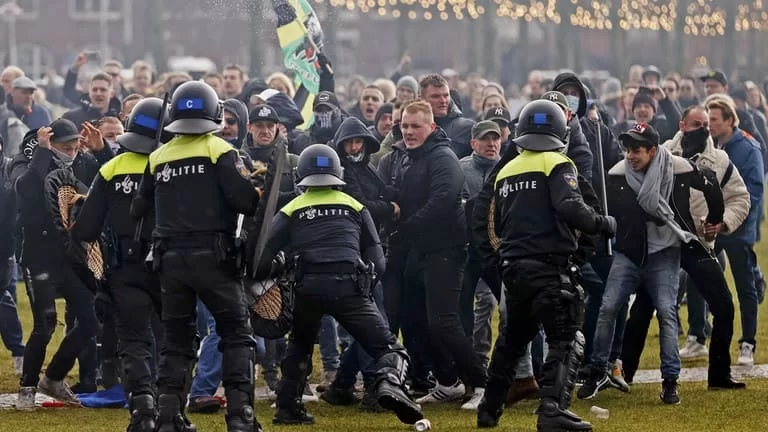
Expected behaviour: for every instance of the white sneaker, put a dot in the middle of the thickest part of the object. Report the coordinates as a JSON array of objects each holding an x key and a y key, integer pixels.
[
  {"x": 309, "y": 394},
  {"x": 474, "y": 402},
  {"x": 58, "y": 390},
  {"x": 443, "y": 393},
  {"x": 18, "y": 365},
  {"x": 26, "y": 399},
  {"x": 746, "y": 354},
  {"x": 693, "y": 349}
]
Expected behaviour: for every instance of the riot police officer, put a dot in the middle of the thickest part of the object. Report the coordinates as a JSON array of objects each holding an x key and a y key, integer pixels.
[
  {"x": 536, "y": 212},
  {"x": 134, "y": 291},
  {"x": 198, "y": 185},
  {"x": 323, "y": 232}
]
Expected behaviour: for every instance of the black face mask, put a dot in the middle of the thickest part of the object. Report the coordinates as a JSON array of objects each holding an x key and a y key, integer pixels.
[{"x": 694, "y": 142}]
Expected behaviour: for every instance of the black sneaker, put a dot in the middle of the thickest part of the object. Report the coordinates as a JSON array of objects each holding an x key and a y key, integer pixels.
[
  {"x": 669, "y": 392},
  {"x": 295, "y": 414},
  {"x": 204, "y": 405},
  {"x": 727, "y": 383},
  {"x": 593, "y": 386}
]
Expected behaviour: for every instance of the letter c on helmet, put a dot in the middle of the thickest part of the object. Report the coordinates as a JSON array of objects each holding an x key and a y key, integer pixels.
[{"x": 190, "y": 104}]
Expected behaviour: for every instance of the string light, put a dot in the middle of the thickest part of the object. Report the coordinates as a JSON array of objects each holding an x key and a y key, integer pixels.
[{"x": 702, "y": 17}]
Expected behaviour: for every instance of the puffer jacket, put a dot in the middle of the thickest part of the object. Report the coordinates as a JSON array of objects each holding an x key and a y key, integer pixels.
[{"x": 735, "y": 194}]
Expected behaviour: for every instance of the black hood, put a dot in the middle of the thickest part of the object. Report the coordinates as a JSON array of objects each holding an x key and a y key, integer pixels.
[
  {"x": 571, "y": 78},
  {"x": 437, "y": 139},
  {"x": 351, "y": 127},
  {"x": 286, "y": 109},
  {"x": 240, "y": 112}
]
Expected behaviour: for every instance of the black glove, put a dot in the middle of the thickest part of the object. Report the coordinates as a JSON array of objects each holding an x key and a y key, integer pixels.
[{"x": 607, "y": 226}]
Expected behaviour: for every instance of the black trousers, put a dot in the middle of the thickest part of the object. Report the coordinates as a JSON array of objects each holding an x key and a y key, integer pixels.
[
  {"x": 537, "y": 293},
  {"x": 434, "y": 284},
  {"x": 185, "y": 275},
  {"x": 706, "y": 273},
  {"x": 473, "y": 272},
  {"x": 136, "y": 296},
  {"x": 337, "y": 295},
  {"x": 44, "y": 284}
]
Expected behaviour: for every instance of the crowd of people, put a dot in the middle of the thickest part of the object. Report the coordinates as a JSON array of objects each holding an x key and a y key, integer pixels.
[{"x": 556, "y": 214}]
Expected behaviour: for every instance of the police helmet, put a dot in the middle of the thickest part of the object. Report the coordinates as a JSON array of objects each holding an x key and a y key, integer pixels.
[
  {"x": 319, "y": 165},
  {"x": 541, "y": 127},
  {"x": 141, "y": 130},
  {"x": 195, "y": 109}
]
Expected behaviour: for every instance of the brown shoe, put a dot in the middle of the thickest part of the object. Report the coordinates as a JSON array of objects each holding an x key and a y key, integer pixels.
[
  {"x": 204, "y": 405},
  {"x": 525, "y": 388}
]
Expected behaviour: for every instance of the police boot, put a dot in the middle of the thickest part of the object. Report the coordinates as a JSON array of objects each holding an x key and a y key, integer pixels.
[
  {"x": 292, "y": 413},
  {"x": 336, "y": 395},
  {"x": 240, "y": 416},
  {"x": 552, "y": 418},
  {"x": 492, "y": 407},
  {"x": 142, "y": 408},
  {"x": 170, "y": 418},
  {"x": 393, "y": 398}
]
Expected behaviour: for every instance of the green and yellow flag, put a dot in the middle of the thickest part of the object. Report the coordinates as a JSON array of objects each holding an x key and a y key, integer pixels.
[{"x": 300, "y": 37}]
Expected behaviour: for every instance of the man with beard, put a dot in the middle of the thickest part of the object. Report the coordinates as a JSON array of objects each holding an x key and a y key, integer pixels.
[
  {"x": 371, "y": 98},
  {"x": 52, "y": 271},
  {"x": 382, "y": 123},
  {"x": 694, "y": 143},
  {"x": 98, "y": 103},
  {"x": 434, "y": 89},
  {"x": 328, "y": 117},
  {"x": 262, "y": 142}
]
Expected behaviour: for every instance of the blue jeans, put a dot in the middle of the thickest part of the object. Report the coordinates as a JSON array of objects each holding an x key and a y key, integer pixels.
[
  {"x": 208, "y": 372},
  {"x": 329, "y": 343},
  {"x": 660, "y": 278},
  {"x": 594, "y": 275},
  {"x": 10, "y": 326}
]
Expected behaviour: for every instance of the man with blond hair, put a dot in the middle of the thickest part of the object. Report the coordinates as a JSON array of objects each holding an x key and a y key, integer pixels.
[{"x": 432, "y": 217}]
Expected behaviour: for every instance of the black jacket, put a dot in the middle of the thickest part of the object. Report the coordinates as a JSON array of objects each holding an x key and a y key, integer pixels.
[
  {"x": 393, "y": 164},
  {"x": 264, "y": 155},
  {"x": 87, "y": 113},
  {"x": 611, "y": 152},
  {"x": 632, "y": 236},
  {"x": 458, "y": 129},
  {"x": 363, "y": 184},
  {"x": 42, "y": 243},
  {"x": 7, "y": 212},
  {"x": 538, "y": 207},
  {"x": 431, "y": 211}
]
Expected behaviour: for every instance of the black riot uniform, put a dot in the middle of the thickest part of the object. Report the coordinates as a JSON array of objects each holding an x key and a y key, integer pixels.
[
  {"x": 197, "y": 185},
  {"x": 323, "y": 232},
  {"x": 133, "y": 289},
  {"x": 536, "y": 211}
]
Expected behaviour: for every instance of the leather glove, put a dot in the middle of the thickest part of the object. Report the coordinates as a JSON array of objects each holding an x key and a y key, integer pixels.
[{"x": 607, "y": 226}]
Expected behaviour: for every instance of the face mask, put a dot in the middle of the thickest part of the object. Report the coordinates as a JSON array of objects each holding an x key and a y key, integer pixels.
[
  {"x": 358, "y": 157},
  {"x": 63, "y": 160},
  {"x": 573, "y": 103},
  {"x": 324, "y": 120},
  {"x": 694, "y": 141}
]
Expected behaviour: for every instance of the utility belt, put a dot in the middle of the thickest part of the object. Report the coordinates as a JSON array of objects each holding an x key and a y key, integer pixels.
[
  {"x": 363, "y": 274},
  {"x": 569, "y": 270},
  {"x": 222, "y": 244}
]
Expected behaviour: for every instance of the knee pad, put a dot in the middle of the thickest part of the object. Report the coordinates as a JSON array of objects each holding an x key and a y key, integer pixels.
[{"x": 393, "y": 366}]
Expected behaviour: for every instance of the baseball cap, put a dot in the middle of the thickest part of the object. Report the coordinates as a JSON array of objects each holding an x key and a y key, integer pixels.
[
  {"x": 263, "y": 112},
  {"x": 641, "y": 132},
  {"x": 499, "y": 114},
  {"x": 64, "y": 131},
  {"x": 717, "y": 75},
  {"x": 24, "y": 83},
  {"x": 556, "y": 97},
  {"x": 325, "y": 98},
  {"x": 483, "y": 128}
]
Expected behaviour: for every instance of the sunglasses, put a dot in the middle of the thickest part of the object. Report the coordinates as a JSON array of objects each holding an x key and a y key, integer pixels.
[{"x": 231, "y": 121}]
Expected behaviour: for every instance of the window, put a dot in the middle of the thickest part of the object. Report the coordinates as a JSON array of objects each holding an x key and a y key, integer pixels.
[{"x": 93, "y": 9}]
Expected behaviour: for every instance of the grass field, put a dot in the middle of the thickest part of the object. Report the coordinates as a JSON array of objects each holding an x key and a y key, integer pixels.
[{"x": 639, "y": 411}]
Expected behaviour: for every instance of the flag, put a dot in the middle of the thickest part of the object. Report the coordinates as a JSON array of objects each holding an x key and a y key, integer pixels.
[{"x": 300, "y": 36}]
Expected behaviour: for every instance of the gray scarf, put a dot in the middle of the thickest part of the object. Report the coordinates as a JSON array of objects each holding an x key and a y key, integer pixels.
[
  {"x": 653, "y": 189},
  {"x": 61, "y": 159}
]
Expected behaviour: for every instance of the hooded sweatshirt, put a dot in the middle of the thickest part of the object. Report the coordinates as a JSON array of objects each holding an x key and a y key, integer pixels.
[
  {"x": 459, "y": 130},
  {"x": 238, "y": 109}
]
